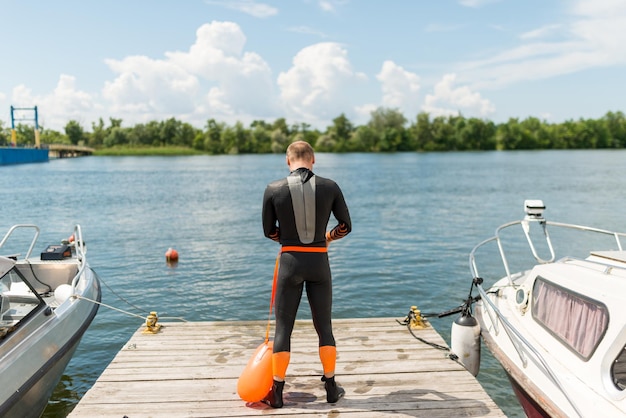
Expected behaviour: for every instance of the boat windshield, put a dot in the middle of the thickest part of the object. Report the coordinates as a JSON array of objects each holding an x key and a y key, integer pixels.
[{"x": 17, "y": 301}]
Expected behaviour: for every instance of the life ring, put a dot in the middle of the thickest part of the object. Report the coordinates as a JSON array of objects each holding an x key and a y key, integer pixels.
[{"x": 256, "y": 379}]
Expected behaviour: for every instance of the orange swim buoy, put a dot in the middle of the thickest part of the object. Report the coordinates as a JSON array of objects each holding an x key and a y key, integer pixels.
[
  {"x": 171, "y": 255},
  {"x": 256, "y": 379}
]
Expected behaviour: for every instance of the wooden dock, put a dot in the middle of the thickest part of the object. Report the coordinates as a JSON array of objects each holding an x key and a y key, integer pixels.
[{"x": 191, "y": 370}]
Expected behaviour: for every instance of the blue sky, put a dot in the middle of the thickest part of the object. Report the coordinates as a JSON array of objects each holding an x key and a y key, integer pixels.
[{"x": 311, "y": 60}]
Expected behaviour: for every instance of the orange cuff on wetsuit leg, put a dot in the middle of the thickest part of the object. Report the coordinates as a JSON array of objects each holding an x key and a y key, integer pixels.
[
  {"x": 280, "y": 361},
  {"x": 328, "y": 355}
]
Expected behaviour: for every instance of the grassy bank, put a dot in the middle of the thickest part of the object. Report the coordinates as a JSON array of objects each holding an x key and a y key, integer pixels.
[{"x": 147, "y": 151}]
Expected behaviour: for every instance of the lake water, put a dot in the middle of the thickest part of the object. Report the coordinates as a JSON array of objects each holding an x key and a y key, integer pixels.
[{"x": 415, "y": 219}]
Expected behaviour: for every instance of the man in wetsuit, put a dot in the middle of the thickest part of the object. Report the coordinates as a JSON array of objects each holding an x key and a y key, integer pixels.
[{"x": 296, "y": 211}]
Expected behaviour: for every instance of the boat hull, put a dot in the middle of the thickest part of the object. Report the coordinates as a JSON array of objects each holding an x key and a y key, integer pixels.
[
  {"x": 42, "y": 359},
  {"x": 9, "y": 156},
  {"x": 531, "y": 408},
  {"x": 534, "y": 402},
  {"x": 32, "y": 399}
]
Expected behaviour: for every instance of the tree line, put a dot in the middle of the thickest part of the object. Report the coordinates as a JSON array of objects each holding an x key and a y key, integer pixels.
[{"x": 387, "y": 131}]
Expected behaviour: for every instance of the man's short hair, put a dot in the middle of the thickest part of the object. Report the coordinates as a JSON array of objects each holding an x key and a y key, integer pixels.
[{"x": 300, "y": 150}]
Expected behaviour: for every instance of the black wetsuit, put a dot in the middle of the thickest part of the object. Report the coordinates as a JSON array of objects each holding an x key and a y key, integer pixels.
[{"x": 313, "y": 199}]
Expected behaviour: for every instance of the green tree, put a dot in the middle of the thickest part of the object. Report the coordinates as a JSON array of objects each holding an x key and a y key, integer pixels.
[
  {"x": 116, "y": 136},
  {"x": 477, "y": 134},
  {"x": 167, "y": 132},
  {"x": 50, "y": 136},
  {"x": 213, "y": 137},
  {"x": 389, "y": 131},
  {"x": 139, "y": 135},
  {"x": 235, "y": 139},
  {"x": 616, "y": 125},
  {"x": 536, "y": 134},
  {"x": 338, "y": 134},
  {"x": 261, "y": 137},
  {"x": 601, "y": 133},
  {"x": 280, "y": 141},
  {"x": 443, "y": 134},
  {"x": 198, "y": 140},
  {"x": 512, "y": 135},
  {"x": 5, "y": 134},
  {"x": 420, "y": 133},
  {"x": 98, "y": 133},
  {"x": 325, "y": 143},
  {"x": 281, "y": 125},
  {"x": 25, "y": 134},
  {"x": 75, "y": 132},
  {"x": 309, "y": 135},
  {"x": 364, "y": 139}
]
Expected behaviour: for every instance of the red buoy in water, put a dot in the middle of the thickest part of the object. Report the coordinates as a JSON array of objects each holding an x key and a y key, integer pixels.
[{"x": 171, "y": 255}]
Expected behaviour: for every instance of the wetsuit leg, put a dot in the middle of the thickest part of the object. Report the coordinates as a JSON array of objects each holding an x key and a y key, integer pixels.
[
  {"x": 320, "y": 295},
  {"x": 294, "y": 270},
  {"x": 289, "y": 287}
]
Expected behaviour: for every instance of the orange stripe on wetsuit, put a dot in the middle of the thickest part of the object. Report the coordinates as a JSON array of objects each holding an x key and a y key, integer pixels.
[{"x": 302, "y": 249}]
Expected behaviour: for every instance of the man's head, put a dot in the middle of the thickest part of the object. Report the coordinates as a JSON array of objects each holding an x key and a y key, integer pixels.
[{"x": 300, "y": 154}]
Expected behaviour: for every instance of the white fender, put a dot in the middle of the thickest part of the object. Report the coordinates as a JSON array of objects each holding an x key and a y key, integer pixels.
[
  {"x": 465, "y": 342},
  {"x": 62, "y": 293}
]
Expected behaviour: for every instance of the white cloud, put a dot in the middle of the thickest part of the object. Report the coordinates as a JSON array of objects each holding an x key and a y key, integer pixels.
[
  {"x": 251, "y": 7},
  {"x": 215, "y": 76},
  {"x": 149, "y": 86},
  {"x": 319, "y": 84},
  {"x": 448, "y": 99},
  {"x": 326, "y": 6},
  {"x": 400, "y": 88},
  {"x": 243, "y": 80},
  {"x": 61, "y": 105},
  {"x": 592, "y": 38},
  {"x": 598, "y": 8}
]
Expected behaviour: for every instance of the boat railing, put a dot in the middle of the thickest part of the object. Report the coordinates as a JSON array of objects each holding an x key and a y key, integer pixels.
[
  {"x": 22, "y": 226},
  {"x": 81, "y": 251},
  {"x": 78, "y": 246},
  {"x": 525, "y": 224}
]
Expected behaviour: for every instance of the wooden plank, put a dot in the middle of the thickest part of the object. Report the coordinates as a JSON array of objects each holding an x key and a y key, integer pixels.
[{"x": 191, "y": 370}]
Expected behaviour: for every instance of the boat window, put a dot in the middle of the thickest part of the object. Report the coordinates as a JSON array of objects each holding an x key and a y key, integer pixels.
[
  {"x": 579, "y": 322},
  {"x": 618, "y": 371},
  {"x": 17, "y": 301}
]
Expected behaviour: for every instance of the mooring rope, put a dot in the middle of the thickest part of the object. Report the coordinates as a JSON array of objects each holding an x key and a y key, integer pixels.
[
  {"x": 123, "y": 299},
  {"x": 123, "y": 311}
]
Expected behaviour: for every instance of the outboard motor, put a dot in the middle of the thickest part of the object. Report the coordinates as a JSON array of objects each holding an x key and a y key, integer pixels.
[{"x": 465, "y": 341}]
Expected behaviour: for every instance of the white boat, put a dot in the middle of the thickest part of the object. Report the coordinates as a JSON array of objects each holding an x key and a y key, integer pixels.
[
  {"x": 555, "y": 321},
  {"x": 46, "y": 305}
]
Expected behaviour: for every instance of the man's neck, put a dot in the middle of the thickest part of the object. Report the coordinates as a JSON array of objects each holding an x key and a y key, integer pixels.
[{"x": 300, "y": 164}]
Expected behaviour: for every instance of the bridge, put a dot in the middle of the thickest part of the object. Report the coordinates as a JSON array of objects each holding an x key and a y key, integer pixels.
[{"x": 68, "y": 151}]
